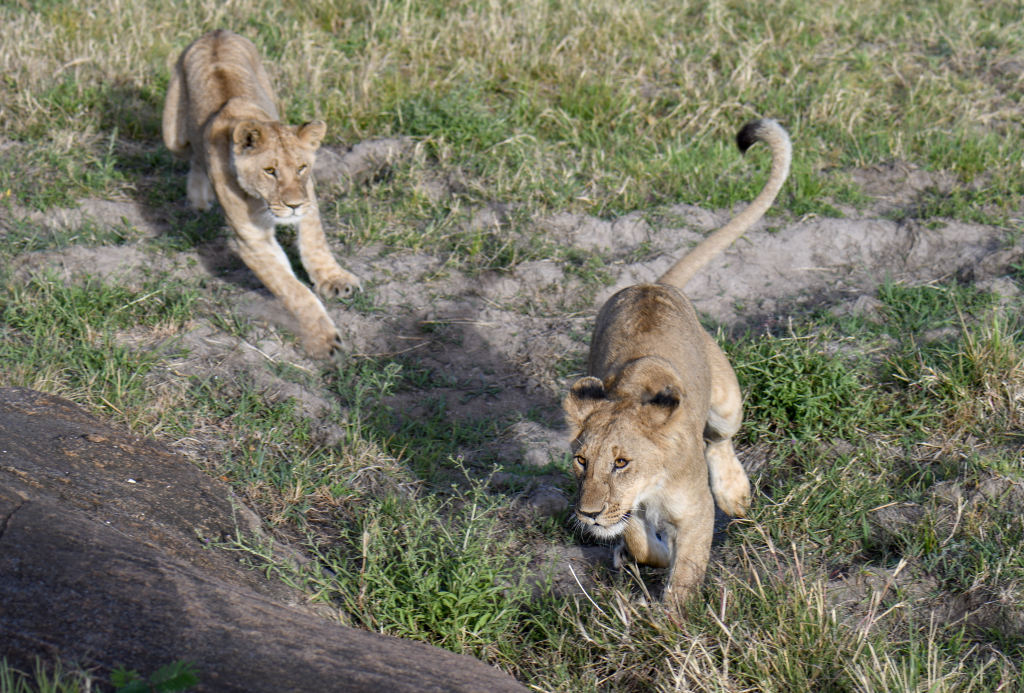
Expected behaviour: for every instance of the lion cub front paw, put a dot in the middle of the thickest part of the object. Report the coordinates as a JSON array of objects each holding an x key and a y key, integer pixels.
[
  {"x": 733, "y": 495},
  {"x": 340, "y": 285},
  {"x": 322, "y": 340}
]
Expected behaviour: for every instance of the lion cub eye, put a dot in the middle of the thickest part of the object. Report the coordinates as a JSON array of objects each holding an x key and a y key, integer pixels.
[
  {"x": 302, "y": 170},
  {"x": 621, "y": 463},
  {"x": 580, "y": 460},
  {"x": 270, "y": 171}
]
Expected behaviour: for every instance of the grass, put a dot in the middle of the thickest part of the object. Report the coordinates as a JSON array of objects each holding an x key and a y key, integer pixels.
[
  {"x": 601, "y": 107},
  {"x": 422, "y": 571},
  {"x": 178, "y": 676},
  {"x": 529, "y": 110},
  {"x": 69, "y": 338}
]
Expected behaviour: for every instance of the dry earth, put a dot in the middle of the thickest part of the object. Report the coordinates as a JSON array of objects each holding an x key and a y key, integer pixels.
[{"x": 501, "y": 338}]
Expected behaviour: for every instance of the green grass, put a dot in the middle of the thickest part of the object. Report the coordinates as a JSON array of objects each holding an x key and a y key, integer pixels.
[
  {"x": 65, "y": 338},
  {"x": 178, "y": 676},
  {"x": 420, "y": 569},
  {"x": 428, "y": 437},
  {"x": 537, "y": 108},
  {"x": 915, "y": 309},
  {"x": 799, "y": 391},
  {"x": 603, "y": 107}
]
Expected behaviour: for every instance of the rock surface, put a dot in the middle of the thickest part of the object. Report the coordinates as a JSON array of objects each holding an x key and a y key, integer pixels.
[{"x": 103, "y": 562}]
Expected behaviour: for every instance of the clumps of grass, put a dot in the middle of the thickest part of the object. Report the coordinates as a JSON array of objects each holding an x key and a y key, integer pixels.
[
  {"x": 426, "y": 437},
  {"x": 433, "y": 569},
  {"x": 811, "y": 385},
  {"x": 767, "y": 623},
  {"x": 977, "y": 381},
  {"x": 572, "y": 364},
  {"x": 62, "y": 338},
  {"x": 279, "y": 460},
  {"x": 915, "y": 309},
  {"x": 602, "y": 107},
  {"x": 460, "y": 119},
  {"x": 58, "y": 172},
  {"x": 22, "y": 236},
  {"x": 178, "y": 676},
  {"x": 590, "y": 267},
  {"x": 797, "y": 389}
]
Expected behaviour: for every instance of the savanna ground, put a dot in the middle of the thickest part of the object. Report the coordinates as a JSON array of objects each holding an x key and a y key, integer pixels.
[{"x": 522, "y": 160}]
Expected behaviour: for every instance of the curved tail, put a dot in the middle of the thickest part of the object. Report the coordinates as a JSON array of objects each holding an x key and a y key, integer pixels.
[{"x": 772, "y": 134}]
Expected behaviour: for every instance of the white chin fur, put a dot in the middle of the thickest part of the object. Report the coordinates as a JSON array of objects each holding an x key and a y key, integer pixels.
[
  {"x": 607, "y": 532},
  {"x": 286, "y": 221}
]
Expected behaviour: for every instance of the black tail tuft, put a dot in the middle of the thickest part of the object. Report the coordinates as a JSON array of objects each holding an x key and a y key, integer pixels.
[{"x": 750, "y": 134}]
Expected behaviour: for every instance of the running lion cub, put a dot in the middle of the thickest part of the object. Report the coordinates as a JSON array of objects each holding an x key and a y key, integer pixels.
[
  {"x": 652, "y": 425},
  {"x": 220, "y": 116}
]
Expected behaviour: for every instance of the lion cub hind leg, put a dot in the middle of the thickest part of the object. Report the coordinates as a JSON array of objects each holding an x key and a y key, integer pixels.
[{"x": 729, "y": 483}]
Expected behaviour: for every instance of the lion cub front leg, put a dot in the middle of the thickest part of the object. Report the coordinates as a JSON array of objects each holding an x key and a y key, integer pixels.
[
  {"x": 641, "y": 541},
  {"x": 330, "y": 280},
  {"x": 261, "y": 252},
  {"x": 692, "y": 527}
]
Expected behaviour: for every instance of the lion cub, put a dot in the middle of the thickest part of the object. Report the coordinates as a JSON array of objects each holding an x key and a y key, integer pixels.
[
  {"x": 651, "y": 426},
  {"x": 220, "y": 116}
]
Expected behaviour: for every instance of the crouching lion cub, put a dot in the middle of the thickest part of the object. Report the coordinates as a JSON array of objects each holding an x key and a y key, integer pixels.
[
  {"x": 652, "y": 423},
  {"x": 220, "y": 116}
]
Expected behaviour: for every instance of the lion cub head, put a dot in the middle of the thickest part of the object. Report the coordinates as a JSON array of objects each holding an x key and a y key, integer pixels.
[
  {"x": 628, "y": 442},
  {"x": 274, "y": 162}
]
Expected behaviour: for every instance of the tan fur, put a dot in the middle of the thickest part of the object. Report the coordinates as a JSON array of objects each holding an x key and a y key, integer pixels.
[
  {"x": 220, "y": 116},
  {"x": 652, "y": 424}
]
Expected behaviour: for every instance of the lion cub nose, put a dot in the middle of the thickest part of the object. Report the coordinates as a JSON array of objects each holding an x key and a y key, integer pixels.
[{"x": 591, "y": 515}]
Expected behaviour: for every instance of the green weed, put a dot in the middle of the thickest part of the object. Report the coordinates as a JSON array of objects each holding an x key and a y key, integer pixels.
[
  {"x": 178, "y": 676},
  {"x": 425, "y": 571},
  {"x": 915, "y": 309},
  {"x": 26, "y": 237},
  {"x": 795, "y": 389}
]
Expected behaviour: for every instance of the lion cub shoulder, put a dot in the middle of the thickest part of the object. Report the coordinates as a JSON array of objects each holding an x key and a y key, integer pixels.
[{"x": 220, "y": 116}]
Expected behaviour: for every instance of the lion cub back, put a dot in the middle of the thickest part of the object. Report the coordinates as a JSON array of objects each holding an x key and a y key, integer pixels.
[{"x": 213, "y": 70}]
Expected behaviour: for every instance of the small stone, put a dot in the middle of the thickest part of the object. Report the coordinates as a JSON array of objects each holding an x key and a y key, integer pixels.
[
  {"x": 536, "y": 457},
  {"x": 547, "y": 501}
]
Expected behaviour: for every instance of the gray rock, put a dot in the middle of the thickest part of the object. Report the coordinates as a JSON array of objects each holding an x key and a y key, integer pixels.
[{"x": 102, "y": 563}]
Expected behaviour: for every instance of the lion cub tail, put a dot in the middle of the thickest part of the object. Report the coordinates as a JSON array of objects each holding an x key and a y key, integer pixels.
[{"x": 772, "y": 134}]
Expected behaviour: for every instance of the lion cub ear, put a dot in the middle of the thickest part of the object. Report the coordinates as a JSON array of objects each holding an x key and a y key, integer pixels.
[
  {"x": 581, "y": 399},
  {"x": 661, "y": 404},
  {"x": 248, "y": 134},
  {"x": 311, "y": 133}
]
